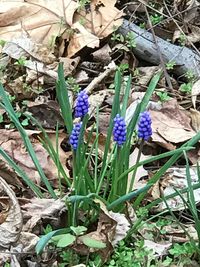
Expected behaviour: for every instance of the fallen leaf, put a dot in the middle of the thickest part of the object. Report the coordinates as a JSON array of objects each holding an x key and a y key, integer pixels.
[
  {"x": 12, "y": 143},
  {"x": 35, "y": 210},
  {"x": 103, "y": 54},
  {"x": 81, "y": 38},
  {"x": 171, "y": 123},
  {"x": 158, "y": 248},
  {"x": 145, "y": 74},
  {"x": 122, "y": 227},
  {"x": 175, "y": 178},
  {"x": 195, "y": 92},
  {"x": 102, "y": 19},
  {"x": 11, "y": 228},
  {"x": 41, "y": 19},
  {"x": 195, "y": 117}
]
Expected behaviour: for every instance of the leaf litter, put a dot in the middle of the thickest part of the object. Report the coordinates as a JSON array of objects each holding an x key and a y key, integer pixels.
[{"x": 42, "y": 34}]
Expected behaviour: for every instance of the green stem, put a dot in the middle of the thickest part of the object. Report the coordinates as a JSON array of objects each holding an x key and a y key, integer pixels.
[
  {"x": 104, "y": 170},
  {"x": 135, "y": 169}
]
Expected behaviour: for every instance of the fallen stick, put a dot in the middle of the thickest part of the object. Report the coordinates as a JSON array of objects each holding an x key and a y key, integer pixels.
[{"x": 185, "y": 58}]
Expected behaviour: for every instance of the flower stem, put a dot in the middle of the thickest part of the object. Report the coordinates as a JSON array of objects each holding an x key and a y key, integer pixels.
[{"x": 135, "y": 169}]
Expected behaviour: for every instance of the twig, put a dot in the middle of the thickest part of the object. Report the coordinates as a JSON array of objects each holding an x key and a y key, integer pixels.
[
  {"x": 110, "y": 68},
  {"x": 159, "y": 52}
]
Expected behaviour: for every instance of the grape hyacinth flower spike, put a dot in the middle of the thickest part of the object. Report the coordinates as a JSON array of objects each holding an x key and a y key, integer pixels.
[
  {"x": 119, "y": 130},
  {"x": 73, "y": 140},
  {"x": 144, "y": 126},
  {"x": 82, "y": 105}
]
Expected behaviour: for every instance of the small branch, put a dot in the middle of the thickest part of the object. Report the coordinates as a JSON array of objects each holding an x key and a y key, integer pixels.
[
  {"x": 110, "y": 68},
  {"x": 162, "y": 63}
]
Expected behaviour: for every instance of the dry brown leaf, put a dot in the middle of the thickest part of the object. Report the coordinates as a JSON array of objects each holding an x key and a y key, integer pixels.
[
  {"x": 145, "y": 74},
  {"x": 41, "y": 19},
  {"x": 11, "y": 228},
  {"x": 175, "y": 178},
  {"x": 195, "y": 117},
  {"x": 122, "y": 227},
  {"x": 37, "y": 209},
  {"x": 195, "y": 91},
  {"x": 81, "y": 38},
  {"x": 103, "y": 18},
  {"x": 194, "y": 34},
  {"x": 105, "y": 233},
  {"x": 171, "y": 123},
  {"x": 158, "y": 248},
  {"x": 81, "y": 76},
  {"x": 12, "y": 143},
  {"x": 69, "y": 65},
  {"x": 47, "y": 114},
  {"x": 101, "y": 21},
  {"x": 103, "y": 54}
]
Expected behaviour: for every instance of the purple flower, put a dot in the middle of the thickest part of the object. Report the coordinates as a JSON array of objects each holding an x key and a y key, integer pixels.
[
  {"x": 144, "y": 126},
  {"x": 73, "y": 140},
  {"x": 82, "y": 105},
  {"x": 119, "y": 130}
]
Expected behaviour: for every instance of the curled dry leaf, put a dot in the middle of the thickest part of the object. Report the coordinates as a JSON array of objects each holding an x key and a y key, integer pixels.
[
  {"x": 145, "y": 74},
  {"x": 195, "y": 92},
  {"x": 158, "y": 248},
  {"x": 105, "y": 233},
  {"x": 122, "y": 227},
  {"x": 171, "y": 124},
  {"x": 81, "y": 38},
  {"x": 102, "y": 54},
  {"x": 27, "y": 241},
  {"x": 102, "y": 18},
  {"x": 12, "y": 143},
  {"x": 195, "y": 117},
  {"x": 101, "y": 21},
  {"x": 11, "y": 228},
  {"x": 37, "y": 209},
  {"x": 40, "y": 18},
  {"x": 176, "y": 178}
]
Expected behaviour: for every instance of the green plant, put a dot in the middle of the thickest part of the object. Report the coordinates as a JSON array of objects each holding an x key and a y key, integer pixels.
[
  {"x": 190, "y": 75},
  {"x": 6, "y": 105},
  {"x": 182, "y": 39},
  {"x": 128, "y": 41},
  {"x": 186, "y": 88},
  {"x": 107, "y": 181},
  {"x": 182, "y": 253},
  {"x": 117, "y": 37},
  {"x": 156, "y": 19},
  {"x": 72, "y": 85},
  {"x": 170, "y": 65},
  {"x": 83, "y": 3},
  {"x": 69, "y": 258},
  {"x": 66, "y": 237},
  {"x": 2, "y": 42},
  {"x": 163, "y": 96},
  {"x": 21, "y": 61},
  {"x": 137, "y": 255}
]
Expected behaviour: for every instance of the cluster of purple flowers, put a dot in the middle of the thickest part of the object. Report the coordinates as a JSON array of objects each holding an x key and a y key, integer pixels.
[
  {"x": 82, "y": 105},
  {"x": 144, "y": 126},
  {"x": 75, "y": 135},
  {"x": 81, "y": 109},
  {"x": 119, "y": 130}
]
